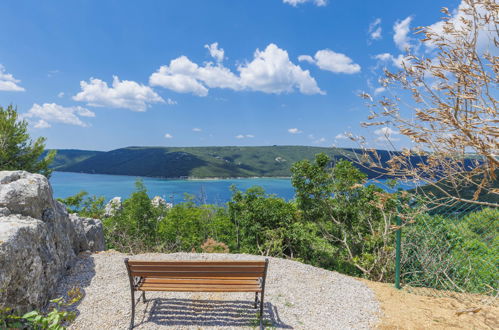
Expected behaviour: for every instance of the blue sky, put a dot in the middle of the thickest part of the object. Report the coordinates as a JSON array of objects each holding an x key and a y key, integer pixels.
[{"x": 106, "y": 74}]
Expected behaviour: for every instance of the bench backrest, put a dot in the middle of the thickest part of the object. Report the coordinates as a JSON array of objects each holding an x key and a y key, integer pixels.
[{"x": 198, "y": 269}]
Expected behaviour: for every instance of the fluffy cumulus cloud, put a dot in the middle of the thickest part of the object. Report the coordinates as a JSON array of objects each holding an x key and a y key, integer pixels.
[
  {"x": 401, "y": 31},
  {"x": 331, "y": 61},
  {"x": 295, "y": 3},
  {"x": 375, "y": 29},
  {"x": 294, "y": 131},
  {"x": 385, "y": 134},
  {"x": 124, "y": 94},
  {"x": 168, "y": 136},
  {"x": 8, "y": 83},
  {"x": 215, "y": 52},
  {"x": 270, "y": 71},
  {"x": 341, "y": 136},
  {"x": 197, "y": 129},
  {"x": 55, "y": 113}
]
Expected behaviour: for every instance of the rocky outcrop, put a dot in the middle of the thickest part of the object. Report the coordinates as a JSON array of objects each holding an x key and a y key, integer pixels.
[
  {"x": 38, "y": 240},
  {"x": 88, "y": 234},
  {"x": 113, "y": 206}
]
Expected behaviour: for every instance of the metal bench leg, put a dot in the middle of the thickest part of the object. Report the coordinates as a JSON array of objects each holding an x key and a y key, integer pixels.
[
  {"x": 133, "y": 309},
  {"x": 143, "y": 296},
  {"x": 256, "y": 299},
  {"x": 261, "y": 312}
]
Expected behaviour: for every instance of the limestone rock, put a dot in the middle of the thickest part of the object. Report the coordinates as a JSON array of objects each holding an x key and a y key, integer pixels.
[
  {"x": 113, "y": 206},
  {"x": 38, "y": 240},
  {"x": 89, "y": 233},
  {"x": 24, "y": 193}
]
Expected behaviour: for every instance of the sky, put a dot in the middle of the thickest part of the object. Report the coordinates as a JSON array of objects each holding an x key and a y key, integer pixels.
[{"x": 100, "y": 75}]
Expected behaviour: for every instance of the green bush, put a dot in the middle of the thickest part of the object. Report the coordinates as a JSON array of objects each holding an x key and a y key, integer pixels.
[{"x": 453, "y": 253}]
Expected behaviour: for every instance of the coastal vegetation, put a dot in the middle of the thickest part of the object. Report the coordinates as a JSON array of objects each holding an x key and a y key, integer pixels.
[
  {"x": 336, "y": 222},
  {"x": 17, "y": 150}
]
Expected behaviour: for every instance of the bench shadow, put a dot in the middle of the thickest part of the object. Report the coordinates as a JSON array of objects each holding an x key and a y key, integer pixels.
[{"x": 217, "y": 313}]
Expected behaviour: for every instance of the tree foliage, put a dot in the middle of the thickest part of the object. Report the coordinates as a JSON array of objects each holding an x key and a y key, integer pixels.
[
  {"x": 17, "y": 150},
  {"x": 445, "y": 101}
]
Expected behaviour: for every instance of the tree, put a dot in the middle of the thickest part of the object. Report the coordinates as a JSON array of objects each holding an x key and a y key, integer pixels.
[
  {"x": 17, "y": 150},
  {"x": 357, "y": 220},
  {"x": 444, "y": 101}
]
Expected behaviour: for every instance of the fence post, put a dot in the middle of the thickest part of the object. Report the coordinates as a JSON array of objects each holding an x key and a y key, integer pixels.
[{"x": 398, "y": 238}]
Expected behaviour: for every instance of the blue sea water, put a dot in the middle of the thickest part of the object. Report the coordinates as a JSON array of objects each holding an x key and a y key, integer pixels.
[{"x": 214, "y": 191}]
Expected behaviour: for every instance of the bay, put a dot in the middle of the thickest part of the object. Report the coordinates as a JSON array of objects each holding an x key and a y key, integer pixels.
[{"x": 212, "y": 191}]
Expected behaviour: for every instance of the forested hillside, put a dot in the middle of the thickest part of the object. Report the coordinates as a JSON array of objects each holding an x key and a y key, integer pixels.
[{"x": 200, "y": 162}]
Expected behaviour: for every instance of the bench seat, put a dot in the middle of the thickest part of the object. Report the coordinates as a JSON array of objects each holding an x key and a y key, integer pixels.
[{"x": 197, "y": 276}]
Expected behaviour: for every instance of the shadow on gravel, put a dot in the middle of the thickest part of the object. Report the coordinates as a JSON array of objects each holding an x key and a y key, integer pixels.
[{"x": 217, "y": 313}]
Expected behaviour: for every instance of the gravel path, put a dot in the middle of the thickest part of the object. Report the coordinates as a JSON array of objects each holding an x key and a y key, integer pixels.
[{"x": 297, "y": 296}]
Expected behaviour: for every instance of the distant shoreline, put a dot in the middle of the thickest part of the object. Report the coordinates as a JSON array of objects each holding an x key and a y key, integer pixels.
[{"x": 187, "y": 178}]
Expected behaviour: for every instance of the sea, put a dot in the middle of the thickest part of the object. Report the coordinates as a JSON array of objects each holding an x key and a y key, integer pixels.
[{"x": 211, "y": 191}]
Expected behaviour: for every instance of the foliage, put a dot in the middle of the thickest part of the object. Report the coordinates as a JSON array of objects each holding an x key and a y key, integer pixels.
[
  {"x": 84, "y": 205},
  {"x": 355, "y": 219},
  {"x": 452, "y": 252},
  {"x": 187, "y": 225},
  {"x": 444, "y": 101},
  {"x": 17, "y": 150},
  {"x": 212, "y": 246},
  {"x": 53, "y": 320},
  {"x": 268, "y": 225}
]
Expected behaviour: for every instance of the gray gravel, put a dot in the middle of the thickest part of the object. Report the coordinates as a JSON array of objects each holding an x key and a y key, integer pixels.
[{"x": 297, "y": 296}]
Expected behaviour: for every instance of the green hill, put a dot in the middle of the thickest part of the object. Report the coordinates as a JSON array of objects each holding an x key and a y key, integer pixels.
[
  {"x": 200, "y": 162},
  {"x": 68, "y": 157}
]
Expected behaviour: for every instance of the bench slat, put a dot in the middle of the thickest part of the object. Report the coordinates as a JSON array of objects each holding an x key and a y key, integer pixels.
[
  {"x": 149, "y": 280},
  {"x": 199, "y": 289},
  {"x": 201, "y": 269},
  {"x": 186, "y": 274},
  {"x": 195, "y": 286},
  {"x": 196, "y": 263}
]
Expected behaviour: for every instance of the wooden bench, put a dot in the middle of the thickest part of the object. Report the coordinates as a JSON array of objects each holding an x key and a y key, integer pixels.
[{"x": 197, "y": 276}]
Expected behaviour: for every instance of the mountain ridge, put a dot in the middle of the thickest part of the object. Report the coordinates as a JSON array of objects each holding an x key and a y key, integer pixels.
[{"x": 195, "y": 162}]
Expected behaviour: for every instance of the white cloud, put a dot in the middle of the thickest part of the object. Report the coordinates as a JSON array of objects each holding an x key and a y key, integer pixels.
[
  {"x": 387, "y": 57},
  {"x": 196, "y": 129},
  {"x": 8, "y": 83},
  {"x": 379, "y": 90},
  {"x": 60, "y": 95},
  {"x": 42, "y": 124},
  {"x": 270, "y": 71},
  {"x": 386, "y": 134},
  {"x": 245, "y": 136},
  {"x": 170, "y": 101},
  {"x": 52, "y": 112},
  {"x": 185, "y": 76},
  {"x": 215, "y": 52},
  {"x": 294, "y": 131},
  {"x": 123, "y": 94},
  {"x": 331, "y": 61},
  {"x": 168, "y": 136},
  {"x": 295, "y": 3},
  {"x": 320, "y": 140},
  {"x": 375, "y": 29},
  {"x": 402, "y": 29},
  {"x": 486, "y": 34},
  {"x": 341, "y": 136}
]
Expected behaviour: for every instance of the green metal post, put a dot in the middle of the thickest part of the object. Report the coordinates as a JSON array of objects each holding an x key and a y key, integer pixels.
[{"x": 398, "y": 238}]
